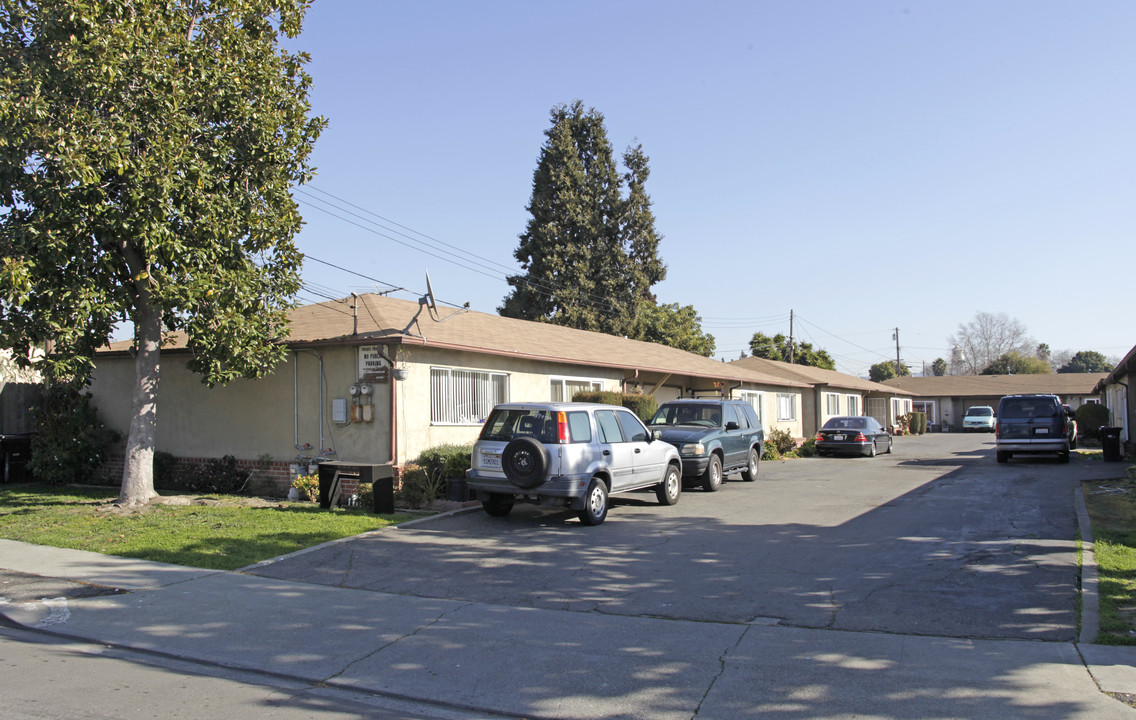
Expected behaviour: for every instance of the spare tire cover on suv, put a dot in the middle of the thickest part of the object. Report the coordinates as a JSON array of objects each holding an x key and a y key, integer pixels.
[{"x": 525, "y": 461}]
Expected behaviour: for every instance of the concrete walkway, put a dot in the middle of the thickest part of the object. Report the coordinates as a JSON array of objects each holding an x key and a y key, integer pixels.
[{"x": 480, "y": 659}]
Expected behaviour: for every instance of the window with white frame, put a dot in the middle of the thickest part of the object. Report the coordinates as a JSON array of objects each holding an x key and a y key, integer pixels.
[
  {"x": 757, "y": 400},
  {"x": 465, "y": 397},
  {"x": 853, "y": 402},
  {"x": 786, "y": 406},
  {"x": 831, "y": 404},
  {"x": 563, "y": 388}
]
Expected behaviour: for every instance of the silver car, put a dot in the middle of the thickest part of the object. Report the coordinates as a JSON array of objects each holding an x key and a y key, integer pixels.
[{"x": 574, "y": 454}]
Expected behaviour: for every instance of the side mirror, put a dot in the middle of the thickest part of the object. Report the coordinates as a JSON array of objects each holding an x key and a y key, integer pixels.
[
  {"x": 656, "y": 435},
  {"x": 732, "y": 425}
]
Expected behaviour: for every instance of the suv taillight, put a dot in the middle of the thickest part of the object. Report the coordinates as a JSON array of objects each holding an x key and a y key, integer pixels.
[{"x": 562, "y": 436}]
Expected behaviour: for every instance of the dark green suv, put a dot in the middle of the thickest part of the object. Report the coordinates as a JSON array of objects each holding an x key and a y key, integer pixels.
[{"x": 714, "y": 438}]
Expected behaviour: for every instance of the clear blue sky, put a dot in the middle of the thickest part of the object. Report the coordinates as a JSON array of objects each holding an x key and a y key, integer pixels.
[{"x": 868, "y": 165}]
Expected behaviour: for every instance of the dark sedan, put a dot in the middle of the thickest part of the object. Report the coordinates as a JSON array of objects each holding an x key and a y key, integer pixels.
[{"x": 853, "y": 436}]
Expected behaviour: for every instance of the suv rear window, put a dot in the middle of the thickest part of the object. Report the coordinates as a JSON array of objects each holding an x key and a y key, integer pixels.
[
  {"x": 504, "y": 424},
  {"x": 1027, "y": 407}
]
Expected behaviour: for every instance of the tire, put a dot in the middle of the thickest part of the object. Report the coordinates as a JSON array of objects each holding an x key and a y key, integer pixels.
[
  {"x": 670, "y": 488},
  {"x": 524, "y": 461},
  {"x": 712, "y": 478},
  {"x": 497, "y": 504},
  {"x": 595, "y": 503},
  {"x": 872, "y": 452},
  {"x": 888, "y": 451},
  {"x": 1003, "y": 456},
  {"x": 750, "y": 472},
  {"x": 1063, "y": 457}
]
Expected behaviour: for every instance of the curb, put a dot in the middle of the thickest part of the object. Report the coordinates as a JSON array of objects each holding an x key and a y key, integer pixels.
[{"x": 1090, "y": 599}]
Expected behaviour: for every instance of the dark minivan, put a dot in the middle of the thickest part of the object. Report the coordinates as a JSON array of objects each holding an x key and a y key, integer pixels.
[{"x": 1029, "y": 424}]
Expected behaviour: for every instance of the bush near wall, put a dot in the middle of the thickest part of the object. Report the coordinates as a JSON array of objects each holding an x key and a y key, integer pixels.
[
  {"x": 642, "y": 405},
  {"x": 1090, "y": 417}
]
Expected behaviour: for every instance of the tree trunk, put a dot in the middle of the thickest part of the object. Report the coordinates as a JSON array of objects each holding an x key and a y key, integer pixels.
[{"x": 138, "y": 468}]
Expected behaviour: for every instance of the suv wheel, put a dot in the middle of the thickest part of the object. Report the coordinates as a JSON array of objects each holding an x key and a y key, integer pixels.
[
  {"x": 524, "y": 461},
  {"x": 669, "y": 489},
  {"x": 497, "y": 504},
  {"x": 595, "y": 503},
  {"x": 750, "y": 472},
  {"x": 712, "y": 478}
]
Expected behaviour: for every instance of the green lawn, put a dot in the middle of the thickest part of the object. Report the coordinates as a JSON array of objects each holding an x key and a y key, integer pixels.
[
  {"x": 1112, "y": 508},
  {"x": 217, "y": 532}
]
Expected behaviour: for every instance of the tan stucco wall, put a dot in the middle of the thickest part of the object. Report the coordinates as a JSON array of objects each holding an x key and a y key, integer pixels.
[{"x": 249, "y": 418}]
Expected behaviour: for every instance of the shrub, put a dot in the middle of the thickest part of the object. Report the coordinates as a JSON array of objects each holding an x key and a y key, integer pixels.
[
  {"x": 902, "y": 423},
  {"x": 642, "y": 405},
  {"x": 309, "y": 486},
  {"x": 70, "y": 442},
  {"x": 808, "y": 448},
  {"x": 457, "y": 465},
  {"x": 220, "y": 476},
  {"x": 165, "y": 471},
  {"x": 782, "y": 440},
  {"x": 435, "y": 460},
  {"x": 769, "y": 451},
  {"x": 418, "y": 487},
  {"x": 917, "y": 423},
  {"x": 1090, "y": 418}
]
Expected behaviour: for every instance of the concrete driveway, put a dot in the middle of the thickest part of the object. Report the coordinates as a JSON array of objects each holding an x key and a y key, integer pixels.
[{"x": 934, "y": 539}]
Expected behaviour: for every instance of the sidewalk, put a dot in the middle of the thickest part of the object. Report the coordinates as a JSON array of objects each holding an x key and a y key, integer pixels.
[{"x": 552, "y": 664}]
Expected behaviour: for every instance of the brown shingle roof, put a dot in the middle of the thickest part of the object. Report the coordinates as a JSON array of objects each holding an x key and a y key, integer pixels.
[
  {"x": 815, "y": 375},
  {"x": 998, "y": 385},
  {"x": 379, "y": 319}
]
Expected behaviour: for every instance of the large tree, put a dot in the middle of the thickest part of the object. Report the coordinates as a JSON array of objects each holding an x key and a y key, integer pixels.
[
  {"x": 590, "y": 252},
  {"x": 939, "y": 367},
  {"x": 676, "y": 326},
  {"x": 1087, "y": 361},
  {"x": 781, "y": 348},
  {"x": 986, "y": 338},
  {"x": 886, "y": 370},
  {"x": 147, "y": 153},
  {"x": 1014, "y": 363}
]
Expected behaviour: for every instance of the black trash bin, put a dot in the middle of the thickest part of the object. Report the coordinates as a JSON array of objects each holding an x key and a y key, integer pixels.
[{"x": 1110, "y": 443}]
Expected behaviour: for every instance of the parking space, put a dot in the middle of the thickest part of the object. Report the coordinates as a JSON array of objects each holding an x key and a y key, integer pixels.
[{"x": 934, "y": 539}]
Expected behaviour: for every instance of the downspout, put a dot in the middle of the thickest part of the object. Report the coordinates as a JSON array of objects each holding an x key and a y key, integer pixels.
[
  {"x": 296, "y": 397},
  {"x": 320, "y": 380}
]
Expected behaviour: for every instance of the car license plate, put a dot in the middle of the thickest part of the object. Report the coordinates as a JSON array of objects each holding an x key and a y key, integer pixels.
[
  {"x": 1041, "y": 431},
  {"x": 838, "y": 438},
  {"x": 490, "y": 461}
]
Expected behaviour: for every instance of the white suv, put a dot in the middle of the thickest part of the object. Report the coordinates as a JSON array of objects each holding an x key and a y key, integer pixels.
[{"x": 575, "y": 454}]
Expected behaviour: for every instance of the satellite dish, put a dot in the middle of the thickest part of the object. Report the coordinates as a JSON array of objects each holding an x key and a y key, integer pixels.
[{"x": 431, "y": 301}]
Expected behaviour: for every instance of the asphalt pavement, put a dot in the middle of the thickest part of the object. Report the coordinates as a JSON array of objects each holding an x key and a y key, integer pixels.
[{"x": 575, "y": 652}]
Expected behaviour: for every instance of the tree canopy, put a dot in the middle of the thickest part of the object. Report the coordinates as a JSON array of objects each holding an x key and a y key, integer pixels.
[
  {"x": 676, "y": 326},
  {"x": 147, "y": 156},
  {"x": 1087, "y": 361},
  {"x": 975, "y": 345},
  {"x": 780, "y": 348},
  {"x": 886, "y": 370},
  {"x": 590, "y": 252},
  {"x": 1014, "y": 363},
  {"x": 939, "y": 367}
]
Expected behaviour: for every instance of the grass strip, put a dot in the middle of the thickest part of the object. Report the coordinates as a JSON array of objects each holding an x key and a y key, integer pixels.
[
  {"x": 1112, "y": 509},
  {"x": 215, "y": 532}
]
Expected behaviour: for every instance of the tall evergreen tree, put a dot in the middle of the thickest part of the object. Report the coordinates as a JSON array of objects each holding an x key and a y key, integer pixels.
[{"x": 590, "y": 254}]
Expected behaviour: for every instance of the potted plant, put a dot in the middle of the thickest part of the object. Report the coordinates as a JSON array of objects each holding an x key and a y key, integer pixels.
[{"x": 456, "y": 488}]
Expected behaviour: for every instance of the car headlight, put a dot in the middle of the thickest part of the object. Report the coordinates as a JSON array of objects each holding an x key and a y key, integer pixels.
[{"x": 692, "y": 449}]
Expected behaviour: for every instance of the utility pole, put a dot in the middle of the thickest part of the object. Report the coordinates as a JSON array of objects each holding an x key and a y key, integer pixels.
[
  {"x": 897, "y": 363},
  {"x": 790, "y": 337}
]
